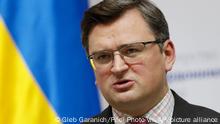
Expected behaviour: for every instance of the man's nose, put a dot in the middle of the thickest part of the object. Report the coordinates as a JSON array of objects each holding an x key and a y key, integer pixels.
[{"x": 119, "y": 64}]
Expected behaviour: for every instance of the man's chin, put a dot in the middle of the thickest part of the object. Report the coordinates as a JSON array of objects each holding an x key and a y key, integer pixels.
[{"x": 125, "y": 97}]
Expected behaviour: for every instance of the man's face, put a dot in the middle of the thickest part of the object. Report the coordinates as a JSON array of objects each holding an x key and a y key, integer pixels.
[{"x": 121, "y": 83}]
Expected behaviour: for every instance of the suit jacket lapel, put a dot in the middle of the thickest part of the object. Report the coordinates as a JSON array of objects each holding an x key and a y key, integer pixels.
[
  {"x": 180, "y": 107},
  {"x": 107, "y": 114}
]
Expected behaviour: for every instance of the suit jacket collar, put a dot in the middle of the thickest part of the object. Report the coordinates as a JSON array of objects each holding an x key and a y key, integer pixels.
[
  {"x": 107, "y": 113},
  {"x": 181, "y": 107}
]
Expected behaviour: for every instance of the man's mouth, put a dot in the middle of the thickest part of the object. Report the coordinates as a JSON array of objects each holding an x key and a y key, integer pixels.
[{"x": 123, "y": 85}]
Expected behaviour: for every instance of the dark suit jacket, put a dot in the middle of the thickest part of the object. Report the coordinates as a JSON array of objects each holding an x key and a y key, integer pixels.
[{"x": 183, "y": 112}]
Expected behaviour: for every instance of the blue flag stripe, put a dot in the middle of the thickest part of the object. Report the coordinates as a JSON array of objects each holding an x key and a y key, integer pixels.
[{"x": 48, "y": 35}]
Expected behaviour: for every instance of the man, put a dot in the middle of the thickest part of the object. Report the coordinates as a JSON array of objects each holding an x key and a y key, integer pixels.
[{"x": 128, "y": 44}]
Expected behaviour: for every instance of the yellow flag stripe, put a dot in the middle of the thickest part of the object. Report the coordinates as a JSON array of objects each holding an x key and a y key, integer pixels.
[{"x": 21, "y": 99}]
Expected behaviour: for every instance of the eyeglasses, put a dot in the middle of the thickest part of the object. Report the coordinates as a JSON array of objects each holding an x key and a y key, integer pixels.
[{"x": 131, "y": 53}]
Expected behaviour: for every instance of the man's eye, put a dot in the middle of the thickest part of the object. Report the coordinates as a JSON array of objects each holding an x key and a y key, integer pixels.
[
  {"x": 132, "y": 50},
  {"x": 103, "y": 58}
]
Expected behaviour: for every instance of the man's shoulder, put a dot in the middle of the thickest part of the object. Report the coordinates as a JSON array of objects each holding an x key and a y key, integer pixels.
[
  {"x": 186, "y": 110},
  {"x": 200, "y": 110}
]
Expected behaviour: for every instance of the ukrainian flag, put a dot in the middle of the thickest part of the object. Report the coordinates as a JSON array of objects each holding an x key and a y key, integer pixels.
[{"x": 44, "y": 73}]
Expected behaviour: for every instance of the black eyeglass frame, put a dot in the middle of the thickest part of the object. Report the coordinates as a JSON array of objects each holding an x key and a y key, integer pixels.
[{"x": 118, "y": 49}]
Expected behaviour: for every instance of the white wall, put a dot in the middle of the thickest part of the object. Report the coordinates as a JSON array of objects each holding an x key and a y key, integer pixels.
[{"x": 195, "y": 30}]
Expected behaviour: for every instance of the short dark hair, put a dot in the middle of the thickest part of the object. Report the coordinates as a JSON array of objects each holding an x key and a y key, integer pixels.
[{"x": 108, "y": 11}]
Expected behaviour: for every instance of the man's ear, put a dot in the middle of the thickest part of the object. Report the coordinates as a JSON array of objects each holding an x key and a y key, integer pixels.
[{"x": 169, "y": 54}]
